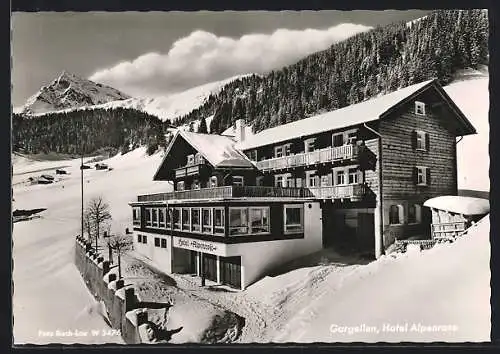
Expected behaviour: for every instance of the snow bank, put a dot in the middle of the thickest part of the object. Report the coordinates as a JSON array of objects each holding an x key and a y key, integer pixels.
[{"x": 459, "y": 205}]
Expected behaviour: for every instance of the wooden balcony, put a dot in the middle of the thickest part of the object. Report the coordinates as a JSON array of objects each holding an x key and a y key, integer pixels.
[
  {"x": 330, "y": 154},
  {"x": 189, "y": 170},
  {"x": 354, "y": 192},
  {"x": 230, "y": 192},
  {"x": 449, "y": 230}
]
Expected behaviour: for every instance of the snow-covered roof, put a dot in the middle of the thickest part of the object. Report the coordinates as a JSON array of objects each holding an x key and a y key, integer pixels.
[
  {"x": 459, "y": 204},
  {"x": 217, "y": 149},
  {"x": 363, "y": 112}
]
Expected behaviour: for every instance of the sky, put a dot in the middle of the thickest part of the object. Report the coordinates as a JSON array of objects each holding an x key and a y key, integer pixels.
[{"x": 158, "y": 53}]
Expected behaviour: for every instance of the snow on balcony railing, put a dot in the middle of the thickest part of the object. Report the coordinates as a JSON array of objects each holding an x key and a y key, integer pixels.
[
  {"x": 230, "y": 192},
  {"x": 348, "y": 151},
  {"x": 351, "y": 191}
]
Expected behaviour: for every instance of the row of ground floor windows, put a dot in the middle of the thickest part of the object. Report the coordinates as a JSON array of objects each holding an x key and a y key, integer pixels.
[{"x": 242, "y": 220}]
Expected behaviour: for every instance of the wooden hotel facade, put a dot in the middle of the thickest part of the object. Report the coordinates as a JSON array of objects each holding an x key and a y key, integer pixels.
[{"x": 356, "y": 177}]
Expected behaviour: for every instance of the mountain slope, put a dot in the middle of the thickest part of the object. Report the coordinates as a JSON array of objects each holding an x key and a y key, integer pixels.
[
  {"x": 363, "y": 66},
  {"x": 69, "y": 91}
]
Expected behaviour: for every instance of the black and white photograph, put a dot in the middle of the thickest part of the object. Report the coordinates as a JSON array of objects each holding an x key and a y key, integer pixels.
[{"x": 239, "y": 177}]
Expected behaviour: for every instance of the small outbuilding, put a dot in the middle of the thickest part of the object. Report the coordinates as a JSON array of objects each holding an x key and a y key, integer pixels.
[{"x": 452, "y": 215}]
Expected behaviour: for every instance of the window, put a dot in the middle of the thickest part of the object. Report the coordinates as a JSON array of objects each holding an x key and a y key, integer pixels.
[
  {"x": 352, "y": 137},
  {"x": 396, "y": 215},
  {"x": 195, "y": 220},
  {"x": 163, "y": 243},
  {"x": 278, "y": 151},
  {"x": 245, "y": 221},
  {"x": 340, "y": 178},
  {"x": 309, "y": 144},
  {"x": 180, "y": 185},
  {"x": 422, "y": 175},
  {"x": 139, "y": 238},
  {"x": 213, "y": 182},
  {"x": 144, "y": 239},
  {"x": 421, "y": 141},
  {"x": 353, "y": 176},
  {"x": 169, "y": 218},
  {"x": 207, "y": 220},
  {"x": 252, "y": 155},
  {"x": 190, "y": 160},
  {"x": 198, "y": 159},
  {"x": 218, "y": 221},
  {"x": 238, "y": 181},
  {"x": 157, "y": 242},
  {"x": 259, "y": 180},
  {"x": 154, "y": 216},
  {"x": 278, "y": 181},
  {"x": 298, "y": 182},
  {"x": 294, "y": 218},
  {"x": 196, "y": 184},
  {"x": 177, "y": 218},
  {"x": 338, "y": 139},
  {"x": 420, "y": 108},
  {"x": 311, "y": 179},
  {"x": 238, "y": 221},
  {"x": 414, "y": 214},
  {"x": 186, "y": 219},
  {"x": 259, "y": 220},
  {"x": 162, "y": 217},
  {"x": 148, "y": 216},
  {"x": 287, "y": 149},
  {"x": 136, "y": 216},
  {"x": 288, "y": 180}
]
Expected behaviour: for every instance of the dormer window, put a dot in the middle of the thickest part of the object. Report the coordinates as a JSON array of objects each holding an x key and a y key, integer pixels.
[
  {"x": 190, "y": 160},
  {"x": 420, "y": 108}
]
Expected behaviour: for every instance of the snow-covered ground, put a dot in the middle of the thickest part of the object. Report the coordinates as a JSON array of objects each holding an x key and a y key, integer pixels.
[
  {"x": 401, "y": 299},
  {"x": 447, "y": 285}
]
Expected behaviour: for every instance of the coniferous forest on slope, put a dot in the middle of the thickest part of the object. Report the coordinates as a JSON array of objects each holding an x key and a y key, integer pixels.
[{"x": 363, "y": 66}]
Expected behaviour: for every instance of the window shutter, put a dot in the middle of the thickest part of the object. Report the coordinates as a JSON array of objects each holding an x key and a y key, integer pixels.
[
  {"x": 427, "y": 142},
  {"x": 415, "y": 175},
  {"x": 414, "y": 140},
  {"x": 428, "y": 176}
]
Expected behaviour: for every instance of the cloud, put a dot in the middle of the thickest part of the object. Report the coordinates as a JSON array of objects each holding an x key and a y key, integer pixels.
[{"x": 203, "y": 57}]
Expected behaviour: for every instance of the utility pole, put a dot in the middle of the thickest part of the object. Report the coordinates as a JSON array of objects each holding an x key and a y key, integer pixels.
[{"x": 81, "y": 173}]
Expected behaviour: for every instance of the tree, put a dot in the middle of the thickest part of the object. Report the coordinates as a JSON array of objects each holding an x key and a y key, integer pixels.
[
  {"x": 88, "y": 225},
  {"x": 202, "y": 128},
  {"x": 120, "y": 244},
  {"x": 99, "y": 216}
]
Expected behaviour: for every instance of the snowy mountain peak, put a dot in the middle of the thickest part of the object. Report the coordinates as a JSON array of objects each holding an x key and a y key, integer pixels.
[{"x": 69, "y": 91}]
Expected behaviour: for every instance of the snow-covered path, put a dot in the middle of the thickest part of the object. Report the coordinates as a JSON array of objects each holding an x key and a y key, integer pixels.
[
  {"x": 49, "y": 295},
  {"x": 447, "y": 285}
]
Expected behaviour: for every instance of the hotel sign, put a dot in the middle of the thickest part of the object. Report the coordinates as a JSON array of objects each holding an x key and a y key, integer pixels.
[{"x": 200, "y": 246}]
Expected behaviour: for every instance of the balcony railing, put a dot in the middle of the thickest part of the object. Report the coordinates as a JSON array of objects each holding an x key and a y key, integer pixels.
[
  {"x": 229, "y": 192},
  {"x": 188, "y": 170},
  {"x": 448, "y": 230},
  {"x": 338, "y": 153},
  {"x": 352, "y": 191}
]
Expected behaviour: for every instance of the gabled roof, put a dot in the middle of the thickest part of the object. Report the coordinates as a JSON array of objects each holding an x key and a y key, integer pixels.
[
  {"x": 359, "y": 113},
  {"x": 459, "y": 205},
  {"x": 218, "y": 150}
]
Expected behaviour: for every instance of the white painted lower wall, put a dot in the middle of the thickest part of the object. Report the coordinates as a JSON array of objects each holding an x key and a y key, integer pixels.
[
  {"x": 160, "y": 258},
  {"x": 259, "y": 258}
]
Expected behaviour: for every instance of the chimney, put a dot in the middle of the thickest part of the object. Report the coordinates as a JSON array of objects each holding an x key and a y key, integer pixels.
[{"x": 240, "y": 129}]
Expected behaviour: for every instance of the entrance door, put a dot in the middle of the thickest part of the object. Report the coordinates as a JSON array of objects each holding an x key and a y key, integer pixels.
[
  {"x": 193, "y": 260},
  {"x": 231, "y": 271},
  {"x": 366, "y": 232},
  {"x": 210, "y": 266}
]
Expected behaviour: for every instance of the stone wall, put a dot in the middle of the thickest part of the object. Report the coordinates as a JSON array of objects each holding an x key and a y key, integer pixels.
[{"x": 121, "y": 301}]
